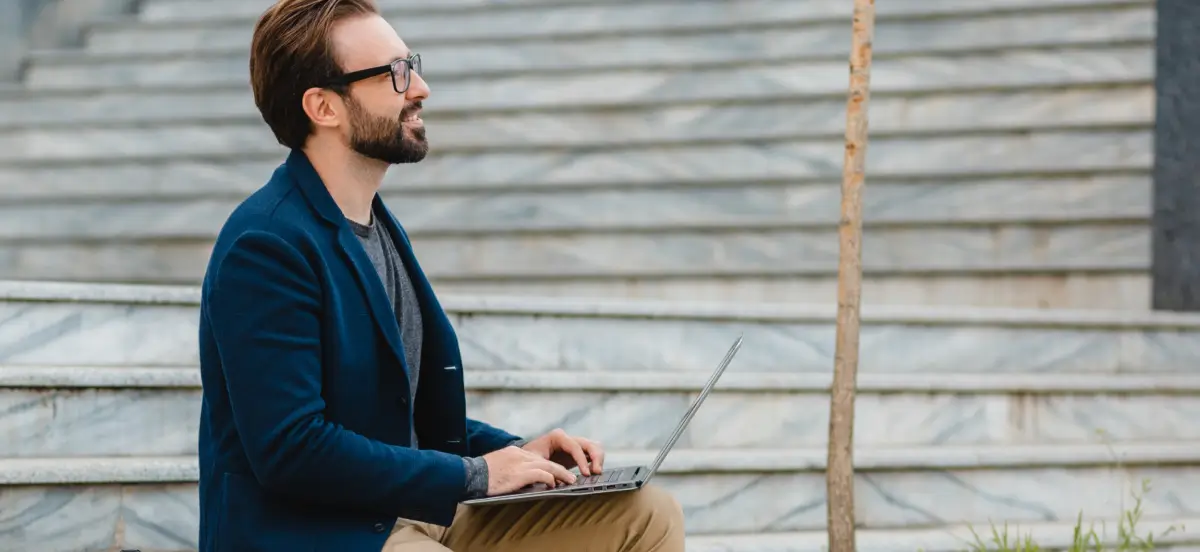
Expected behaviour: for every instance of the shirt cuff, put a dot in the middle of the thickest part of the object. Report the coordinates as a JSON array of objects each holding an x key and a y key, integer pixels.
[{"x": 477, "y": 477}]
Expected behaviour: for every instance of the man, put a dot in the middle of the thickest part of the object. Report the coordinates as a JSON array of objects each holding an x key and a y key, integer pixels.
[{"x": 334, "y": 413}]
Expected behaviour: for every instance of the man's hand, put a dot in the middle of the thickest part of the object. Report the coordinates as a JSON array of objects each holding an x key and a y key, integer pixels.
[
  {"x": 569, "y": 451},
  {"x": 512, "y": 468}
]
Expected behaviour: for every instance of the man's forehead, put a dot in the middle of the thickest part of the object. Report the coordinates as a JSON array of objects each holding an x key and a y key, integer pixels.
[{"x": 366, "y": 41}]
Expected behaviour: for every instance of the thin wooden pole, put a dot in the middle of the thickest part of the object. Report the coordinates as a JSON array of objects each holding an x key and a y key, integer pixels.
[{"x": 839, "y": 475}]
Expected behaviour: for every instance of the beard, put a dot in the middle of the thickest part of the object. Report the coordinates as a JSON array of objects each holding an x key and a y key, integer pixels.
[{"x": 386, "y": 139}]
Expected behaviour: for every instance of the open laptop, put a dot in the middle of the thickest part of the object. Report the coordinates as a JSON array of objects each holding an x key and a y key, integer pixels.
[{"x": 621, "y": 478}]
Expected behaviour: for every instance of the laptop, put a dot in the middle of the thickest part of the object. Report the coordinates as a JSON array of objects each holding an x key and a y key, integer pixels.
[{"x": 621, "y": 478}]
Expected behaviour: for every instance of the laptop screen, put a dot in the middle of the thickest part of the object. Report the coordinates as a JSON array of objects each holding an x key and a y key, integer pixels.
[{"x": 687, "y": 417}]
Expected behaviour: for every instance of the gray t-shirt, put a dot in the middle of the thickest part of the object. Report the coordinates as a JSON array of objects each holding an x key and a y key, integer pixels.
[{"x": 386, "y": 258}]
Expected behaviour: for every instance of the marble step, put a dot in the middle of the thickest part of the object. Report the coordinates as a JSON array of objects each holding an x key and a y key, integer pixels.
[
  {"x": 972, "y": 32},
  {"x": 1061, "y": 288},
  {"x": 1118, "y": 199},
  {"x": 1019, "y": 70},
  {"x": 1055, "y": 536},
  {"x": 817, "y": 159},
  {"x": 708, "y": 251},
  {"x": 62, "y": 324},
  {"x": 1065, "y": 289},
  {"x": 891, "y": 116},
  {"x": 84, "y": 411},
  {"x": 722, "y": 492},
  {"x": 569, "y": 22},
  {"x": 226, "y": 10}
]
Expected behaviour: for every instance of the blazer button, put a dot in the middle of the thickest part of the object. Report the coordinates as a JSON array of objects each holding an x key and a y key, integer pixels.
[{"x": 379, "y": 528}]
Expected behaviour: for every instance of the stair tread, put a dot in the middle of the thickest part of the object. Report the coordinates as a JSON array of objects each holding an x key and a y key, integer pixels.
[
  {"x": 187, "y": 377},
  {"x": 43, "y": 291},
  {"x": 947, "y": 538},
  {"x": 76, "y": 470}
]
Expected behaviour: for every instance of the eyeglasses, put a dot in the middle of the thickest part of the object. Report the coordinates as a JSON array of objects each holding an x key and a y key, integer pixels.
[{"x": 401, "y": 71}]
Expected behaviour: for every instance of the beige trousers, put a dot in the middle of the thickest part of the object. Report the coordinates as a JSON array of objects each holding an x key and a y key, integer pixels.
[{"x": 645, "y": 520}]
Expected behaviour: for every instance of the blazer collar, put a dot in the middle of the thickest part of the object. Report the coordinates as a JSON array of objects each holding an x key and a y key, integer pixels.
[
  {"x": 313, "y": 188},
  {"x": 314, "y": 191}
]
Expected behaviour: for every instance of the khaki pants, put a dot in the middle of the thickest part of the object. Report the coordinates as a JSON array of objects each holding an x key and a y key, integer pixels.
[{"x": 645, "y": 520}]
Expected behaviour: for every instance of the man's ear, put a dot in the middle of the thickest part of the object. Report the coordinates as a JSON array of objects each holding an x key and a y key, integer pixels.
[{"x": 323, "y": 107}]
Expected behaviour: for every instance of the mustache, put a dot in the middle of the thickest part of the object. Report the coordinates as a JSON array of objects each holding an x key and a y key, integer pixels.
[{"x": 410, "y": 109}]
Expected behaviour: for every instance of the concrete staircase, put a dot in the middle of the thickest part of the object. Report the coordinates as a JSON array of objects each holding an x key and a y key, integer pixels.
[
  {"x": 666, "y": 149},
  {"x": 644, "y": 153}
]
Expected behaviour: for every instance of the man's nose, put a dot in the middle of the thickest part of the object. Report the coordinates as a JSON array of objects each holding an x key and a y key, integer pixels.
[{"x": 418, "y": 89}]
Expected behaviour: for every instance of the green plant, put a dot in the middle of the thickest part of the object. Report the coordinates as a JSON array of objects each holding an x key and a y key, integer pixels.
[{"x": 1083, "y": 540}]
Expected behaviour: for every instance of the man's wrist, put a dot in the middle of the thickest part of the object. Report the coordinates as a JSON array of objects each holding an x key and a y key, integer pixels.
[{"x": 477, "y": 473}]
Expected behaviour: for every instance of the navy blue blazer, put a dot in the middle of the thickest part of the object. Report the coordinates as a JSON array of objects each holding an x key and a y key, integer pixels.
[{"x": 304, "y": 437}]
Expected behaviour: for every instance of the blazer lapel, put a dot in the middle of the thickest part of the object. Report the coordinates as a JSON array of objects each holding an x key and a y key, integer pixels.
[{"x": 382, "y": 309}]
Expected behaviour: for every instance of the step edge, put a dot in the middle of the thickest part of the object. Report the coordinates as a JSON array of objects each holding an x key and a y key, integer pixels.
[
  {"x": 686, "y": 381},
  {"x": 953, "y": 537},
  {"x": 110, "y": 23},
  {"x": 459, "y": 305},
  {"x": 682, "y": 462}
]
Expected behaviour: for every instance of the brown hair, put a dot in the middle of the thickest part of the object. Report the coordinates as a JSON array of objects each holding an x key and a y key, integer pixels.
[{"x": 289, "y": 54}]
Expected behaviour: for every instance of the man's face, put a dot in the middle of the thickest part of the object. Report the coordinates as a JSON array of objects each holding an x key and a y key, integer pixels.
[{"x": 383, "y": 124}]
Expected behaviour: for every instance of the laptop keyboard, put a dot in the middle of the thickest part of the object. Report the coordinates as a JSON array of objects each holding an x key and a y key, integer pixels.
[{"x": 607, "y": 477}]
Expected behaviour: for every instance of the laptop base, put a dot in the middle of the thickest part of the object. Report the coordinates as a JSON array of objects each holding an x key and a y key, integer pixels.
[{"x": 540, "y": 491}]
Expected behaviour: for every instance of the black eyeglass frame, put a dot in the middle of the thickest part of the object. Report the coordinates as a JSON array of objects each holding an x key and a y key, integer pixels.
[{"x": 411, "y": 63}]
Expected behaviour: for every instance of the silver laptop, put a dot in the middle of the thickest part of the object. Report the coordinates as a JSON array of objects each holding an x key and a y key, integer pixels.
[{"x": 615, "y": 479}]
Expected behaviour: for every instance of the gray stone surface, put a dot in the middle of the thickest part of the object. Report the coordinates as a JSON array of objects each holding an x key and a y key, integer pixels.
[
  {"x": 820, "y": 160},
  {"x": 1127, "y": 290},
  {"x": 50, "y": 423},
  {"x": 192, "y": 10},
  {"x": 1070, "y": 199},
  {"x": 1004, "y": 69},
  {"x": 620, "y": 253},
  {"x": 716, "y": 502},
  {"x": 543, "y": 21},
  {"x": 445, "y": 62},
  {"x": 678, "y": 336},
  {"x": 651, "y": 125}
]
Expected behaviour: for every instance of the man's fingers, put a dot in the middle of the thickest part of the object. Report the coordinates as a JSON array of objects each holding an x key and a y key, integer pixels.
[
  {"x": 556, "y": 470},
  {"x": 536, "y": 475},
  {"x": 595, "y": 452},
  {"x": 575, "y": 449}
]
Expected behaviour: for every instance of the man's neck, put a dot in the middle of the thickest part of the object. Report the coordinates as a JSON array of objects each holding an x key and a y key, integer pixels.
[{"x": 351, "y": 179}]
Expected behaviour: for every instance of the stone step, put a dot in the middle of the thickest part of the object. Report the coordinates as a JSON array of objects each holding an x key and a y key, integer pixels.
[
  {"x": 971, "y": 32},
  {"x": 1046, "y": 287},
  {"x": 1066, "y": 200},
  {"x": 645, "y": 253},
  {"x": 1020, "y": 70},
  {"x": 722, "y": 492},
  {"x": 1063, "y": 289},
  {"x": 227, "y": 10},
  {"x": 920, "y": 158},
  {"x": 84, "y": 411},
  {"x": 891, "y": 117},
  {"x": 128, "y": 35},
  {"x": 60, "y": 324},
  {"x": 1054, "y": 535}
]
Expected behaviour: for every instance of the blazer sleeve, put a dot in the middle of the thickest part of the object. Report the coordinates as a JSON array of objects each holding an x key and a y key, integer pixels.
[
  {"x": 263, "y": 305},
  {"x": 483, "y": 438}
]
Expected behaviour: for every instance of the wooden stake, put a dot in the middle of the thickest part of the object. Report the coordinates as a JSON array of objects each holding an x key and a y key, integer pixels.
[{"x": 839, "y": 475}]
